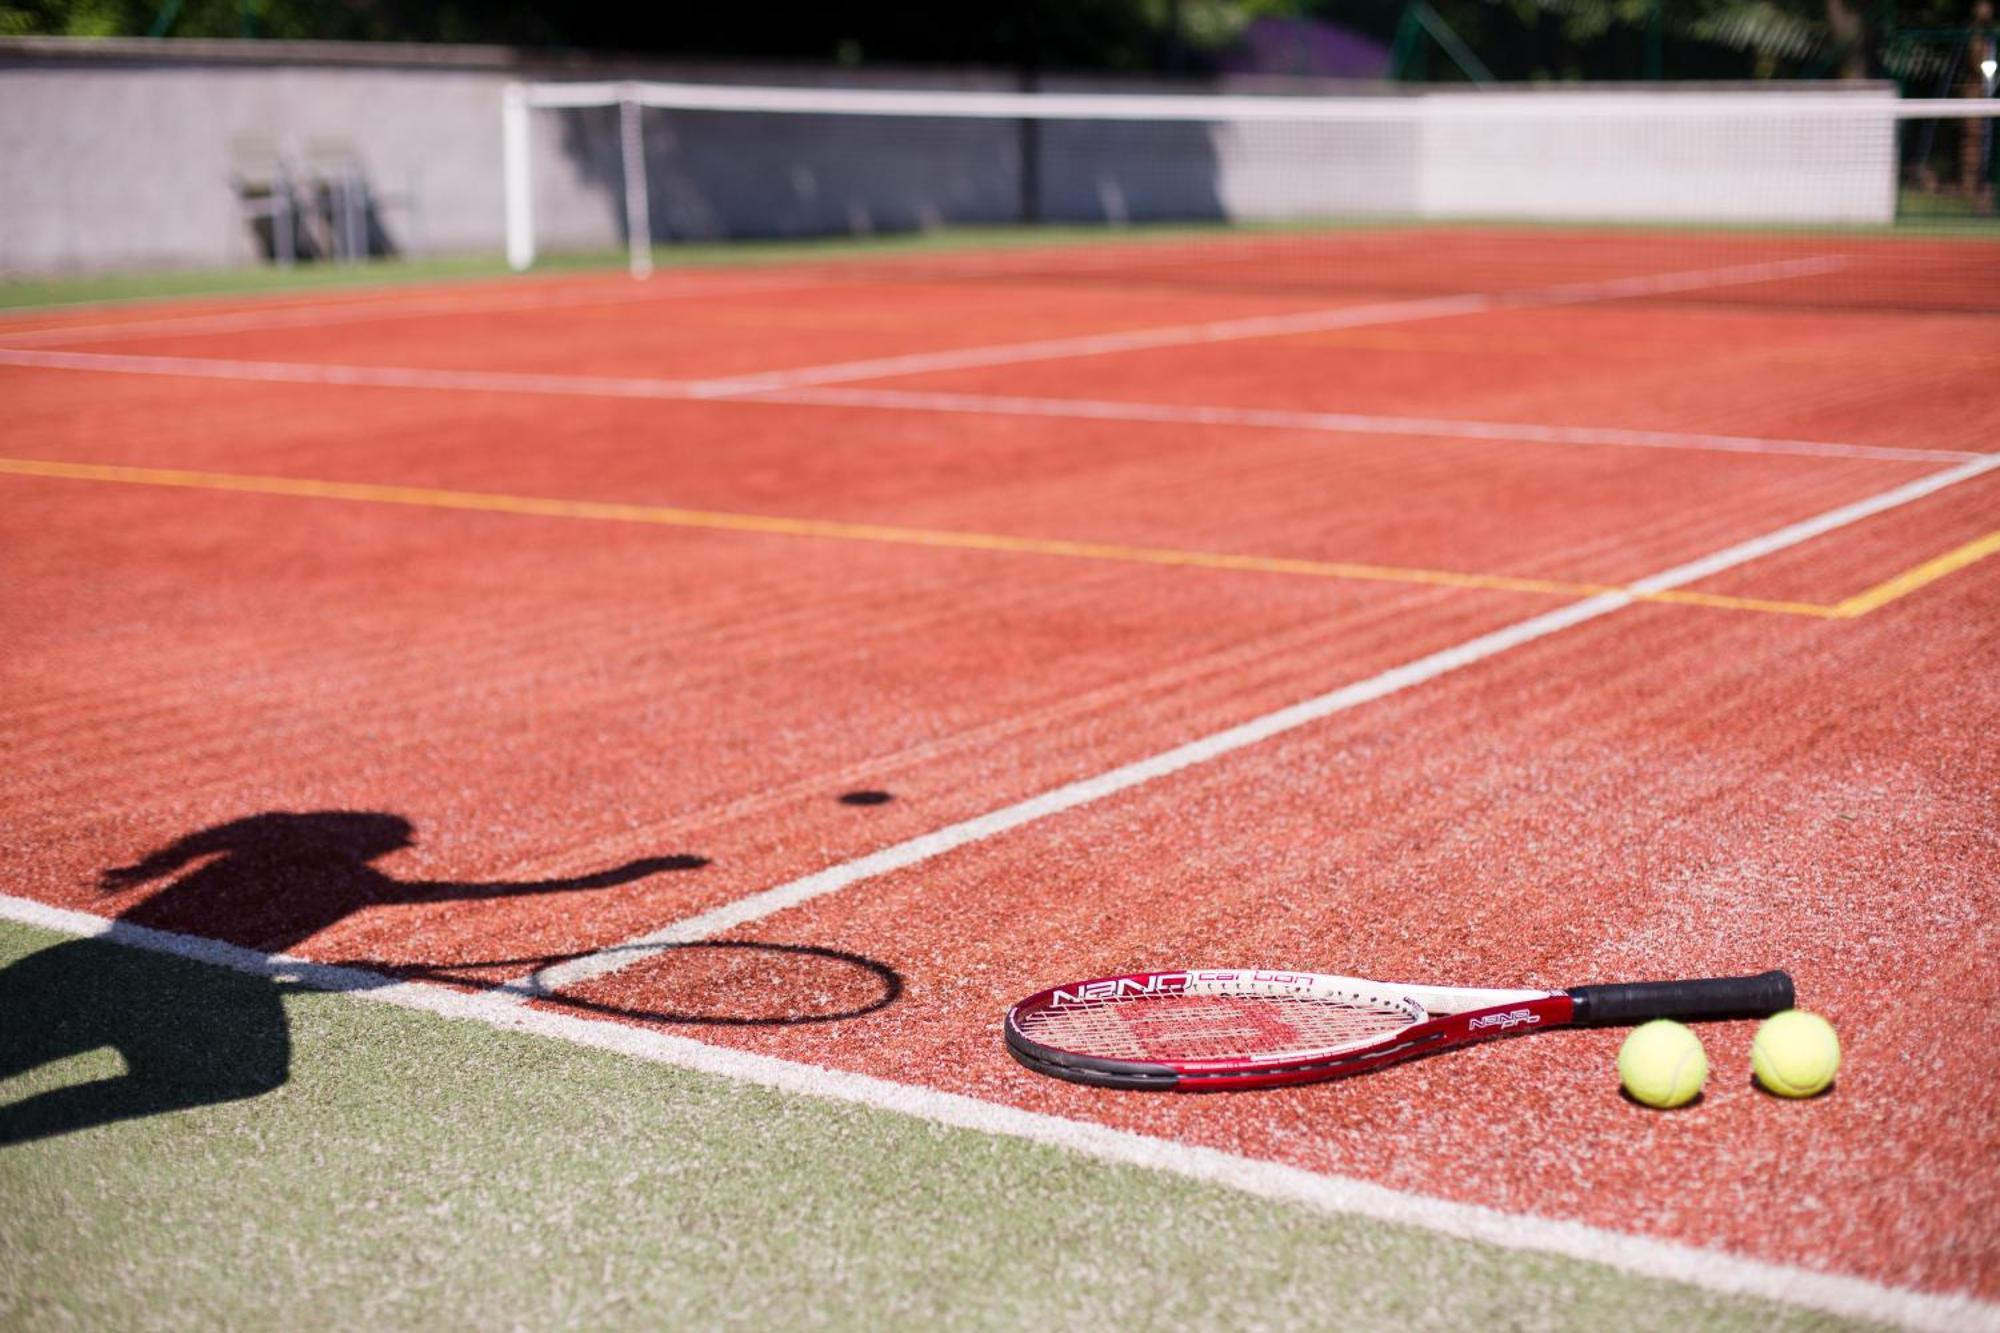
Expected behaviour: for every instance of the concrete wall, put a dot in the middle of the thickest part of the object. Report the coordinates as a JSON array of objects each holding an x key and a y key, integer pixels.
[
  {"x": 1559, "y": 154},
  {"x": 122, "y": 155},
  {"x": 1546, "y": 155},
  {"x": 108, "y": 166}
]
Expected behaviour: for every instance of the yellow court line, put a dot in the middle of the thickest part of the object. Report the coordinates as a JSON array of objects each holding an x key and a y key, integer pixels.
[
  {"x": 1918, "y": 576},
  {"x": 609, "y": 511}
]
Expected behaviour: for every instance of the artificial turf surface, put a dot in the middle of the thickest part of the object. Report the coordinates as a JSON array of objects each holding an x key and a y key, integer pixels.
[{"x": 375, "y": 1165}]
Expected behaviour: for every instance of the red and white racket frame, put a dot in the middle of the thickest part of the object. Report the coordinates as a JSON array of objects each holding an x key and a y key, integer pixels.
[{"x": 1441, "y": 1017}]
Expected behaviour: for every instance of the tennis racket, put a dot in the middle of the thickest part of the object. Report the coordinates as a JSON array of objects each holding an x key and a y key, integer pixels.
[{"x": 1240, "y": 1028}]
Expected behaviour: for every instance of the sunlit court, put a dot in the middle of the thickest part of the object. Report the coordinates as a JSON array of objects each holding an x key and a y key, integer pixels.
[{"x": 840, "y": 754}]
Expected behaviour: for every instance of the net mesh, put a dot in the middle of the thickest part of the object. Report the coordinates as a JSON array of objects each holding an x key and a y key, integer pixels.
[
  {"x": 1180, "y": 1028},
  {"x": 1442, "y": 192}
]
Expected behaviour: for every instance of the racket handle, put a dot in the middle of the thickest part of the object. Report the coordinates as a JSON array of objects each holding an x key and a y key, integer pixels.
[{"x": 1718, "y": 997}]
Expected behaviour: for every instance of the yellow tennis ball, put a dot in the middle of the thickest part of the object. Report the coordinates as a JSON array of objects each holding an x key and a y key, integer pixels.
[
  {"x": 1662, "y": 1064},
  {"x": 1795, "y": 1054}
]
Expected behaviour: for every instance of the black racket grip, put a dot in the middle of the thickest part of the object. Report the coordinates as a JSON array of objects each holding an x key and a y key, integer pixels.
[{"x": 1717, "y": 997}]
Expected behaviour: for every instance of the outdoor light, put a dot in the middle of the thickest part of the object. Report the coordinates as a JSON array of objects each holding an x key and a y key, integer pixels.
[{"x": 1987, "y": 66}]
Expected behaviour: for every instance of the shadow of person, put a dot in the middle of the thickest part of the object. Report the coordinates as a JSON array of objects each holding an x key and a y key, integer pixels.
[
  {"x": 191, "y": 1034},
  {"x": 272, "y": 880}
]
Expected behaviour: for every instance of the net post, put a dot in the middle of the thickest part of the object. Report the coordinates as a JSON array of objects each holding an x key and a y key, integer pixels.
[
  {"x": 638, "y": 208},
  {"x": 1028, "y": 142},
  {"x": 514, "y": 171}
]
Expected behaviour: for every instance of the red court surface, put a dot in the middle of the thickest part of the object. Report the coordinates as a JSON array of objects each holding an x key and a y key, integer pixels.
[
  {"x": 1592, "y": 514},
  {"x": 1762, "y": 794},
  {"x": 1855, "y": 376},
  {"x": 815, "y": 317},
  {"x": 228, "y": 598},
  {"x": 1845, "y": 270}
]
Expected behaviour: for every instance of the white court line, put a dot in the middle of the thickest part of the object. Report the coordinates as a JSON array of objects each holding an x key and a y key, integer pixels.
[
  {"x": 1085, "y": 791},
  {"x": 1098, "y": 344},
  {"x": 1639, "y": 1256},
  {"x": 390, "y": 304},
  {"x": 1343, "y": 423},
  {"x": 789, "y": 387},
  {"x": 1264, "y": 326},
  {"x": 644, "y": 388}
]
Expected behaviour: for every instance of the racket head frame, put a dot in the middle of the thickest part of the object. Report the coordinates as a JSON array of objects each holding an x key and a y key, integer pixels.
[{"x": 1437, "y": 1018}]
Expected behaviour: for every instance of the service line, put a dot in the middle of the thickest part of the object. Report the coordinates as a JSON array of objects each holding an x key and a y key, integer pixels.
[
  {"x": 1341, "y": 423},
  {"x": 1264, "y": 326},
  {"x": 965, "y": 404},
  {"x": 798, "y": 386}
]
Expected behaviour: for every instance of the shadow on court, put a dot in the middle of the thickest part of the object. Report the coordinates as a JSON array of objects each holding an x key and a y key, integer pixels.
[
  {"x": 194, "y": 1034},
  {"x": 189, "y": 1034}
]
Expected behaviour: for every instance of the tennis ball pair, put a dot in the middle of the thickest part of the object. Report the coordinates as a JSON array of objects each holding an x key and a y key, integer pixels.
[{"x": 1794, "y": 1054}]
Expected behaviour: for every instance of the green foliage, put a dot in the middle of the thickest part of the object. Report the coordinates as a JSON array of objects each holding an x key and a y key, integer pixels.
[
  {"x": 64, "y": 18},
  {"x": 1518, "y": 39},
  {"x": 1113, "y": 33}
]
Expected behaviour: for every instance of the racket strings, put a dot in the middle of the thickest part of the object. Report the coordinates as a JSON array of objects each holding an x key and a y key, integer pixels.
[{"x": 1178, "y": 1028}]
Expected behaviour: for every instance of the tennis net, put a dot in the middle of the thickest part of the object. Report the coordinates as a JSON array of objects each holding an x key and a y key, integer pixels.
[{"x": 1848, "y": 196}]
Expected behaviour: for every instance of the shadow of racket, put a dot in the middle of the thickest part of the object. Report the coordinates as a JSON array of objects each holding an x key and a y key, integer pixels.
[{"x": 714, "y": 983}]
